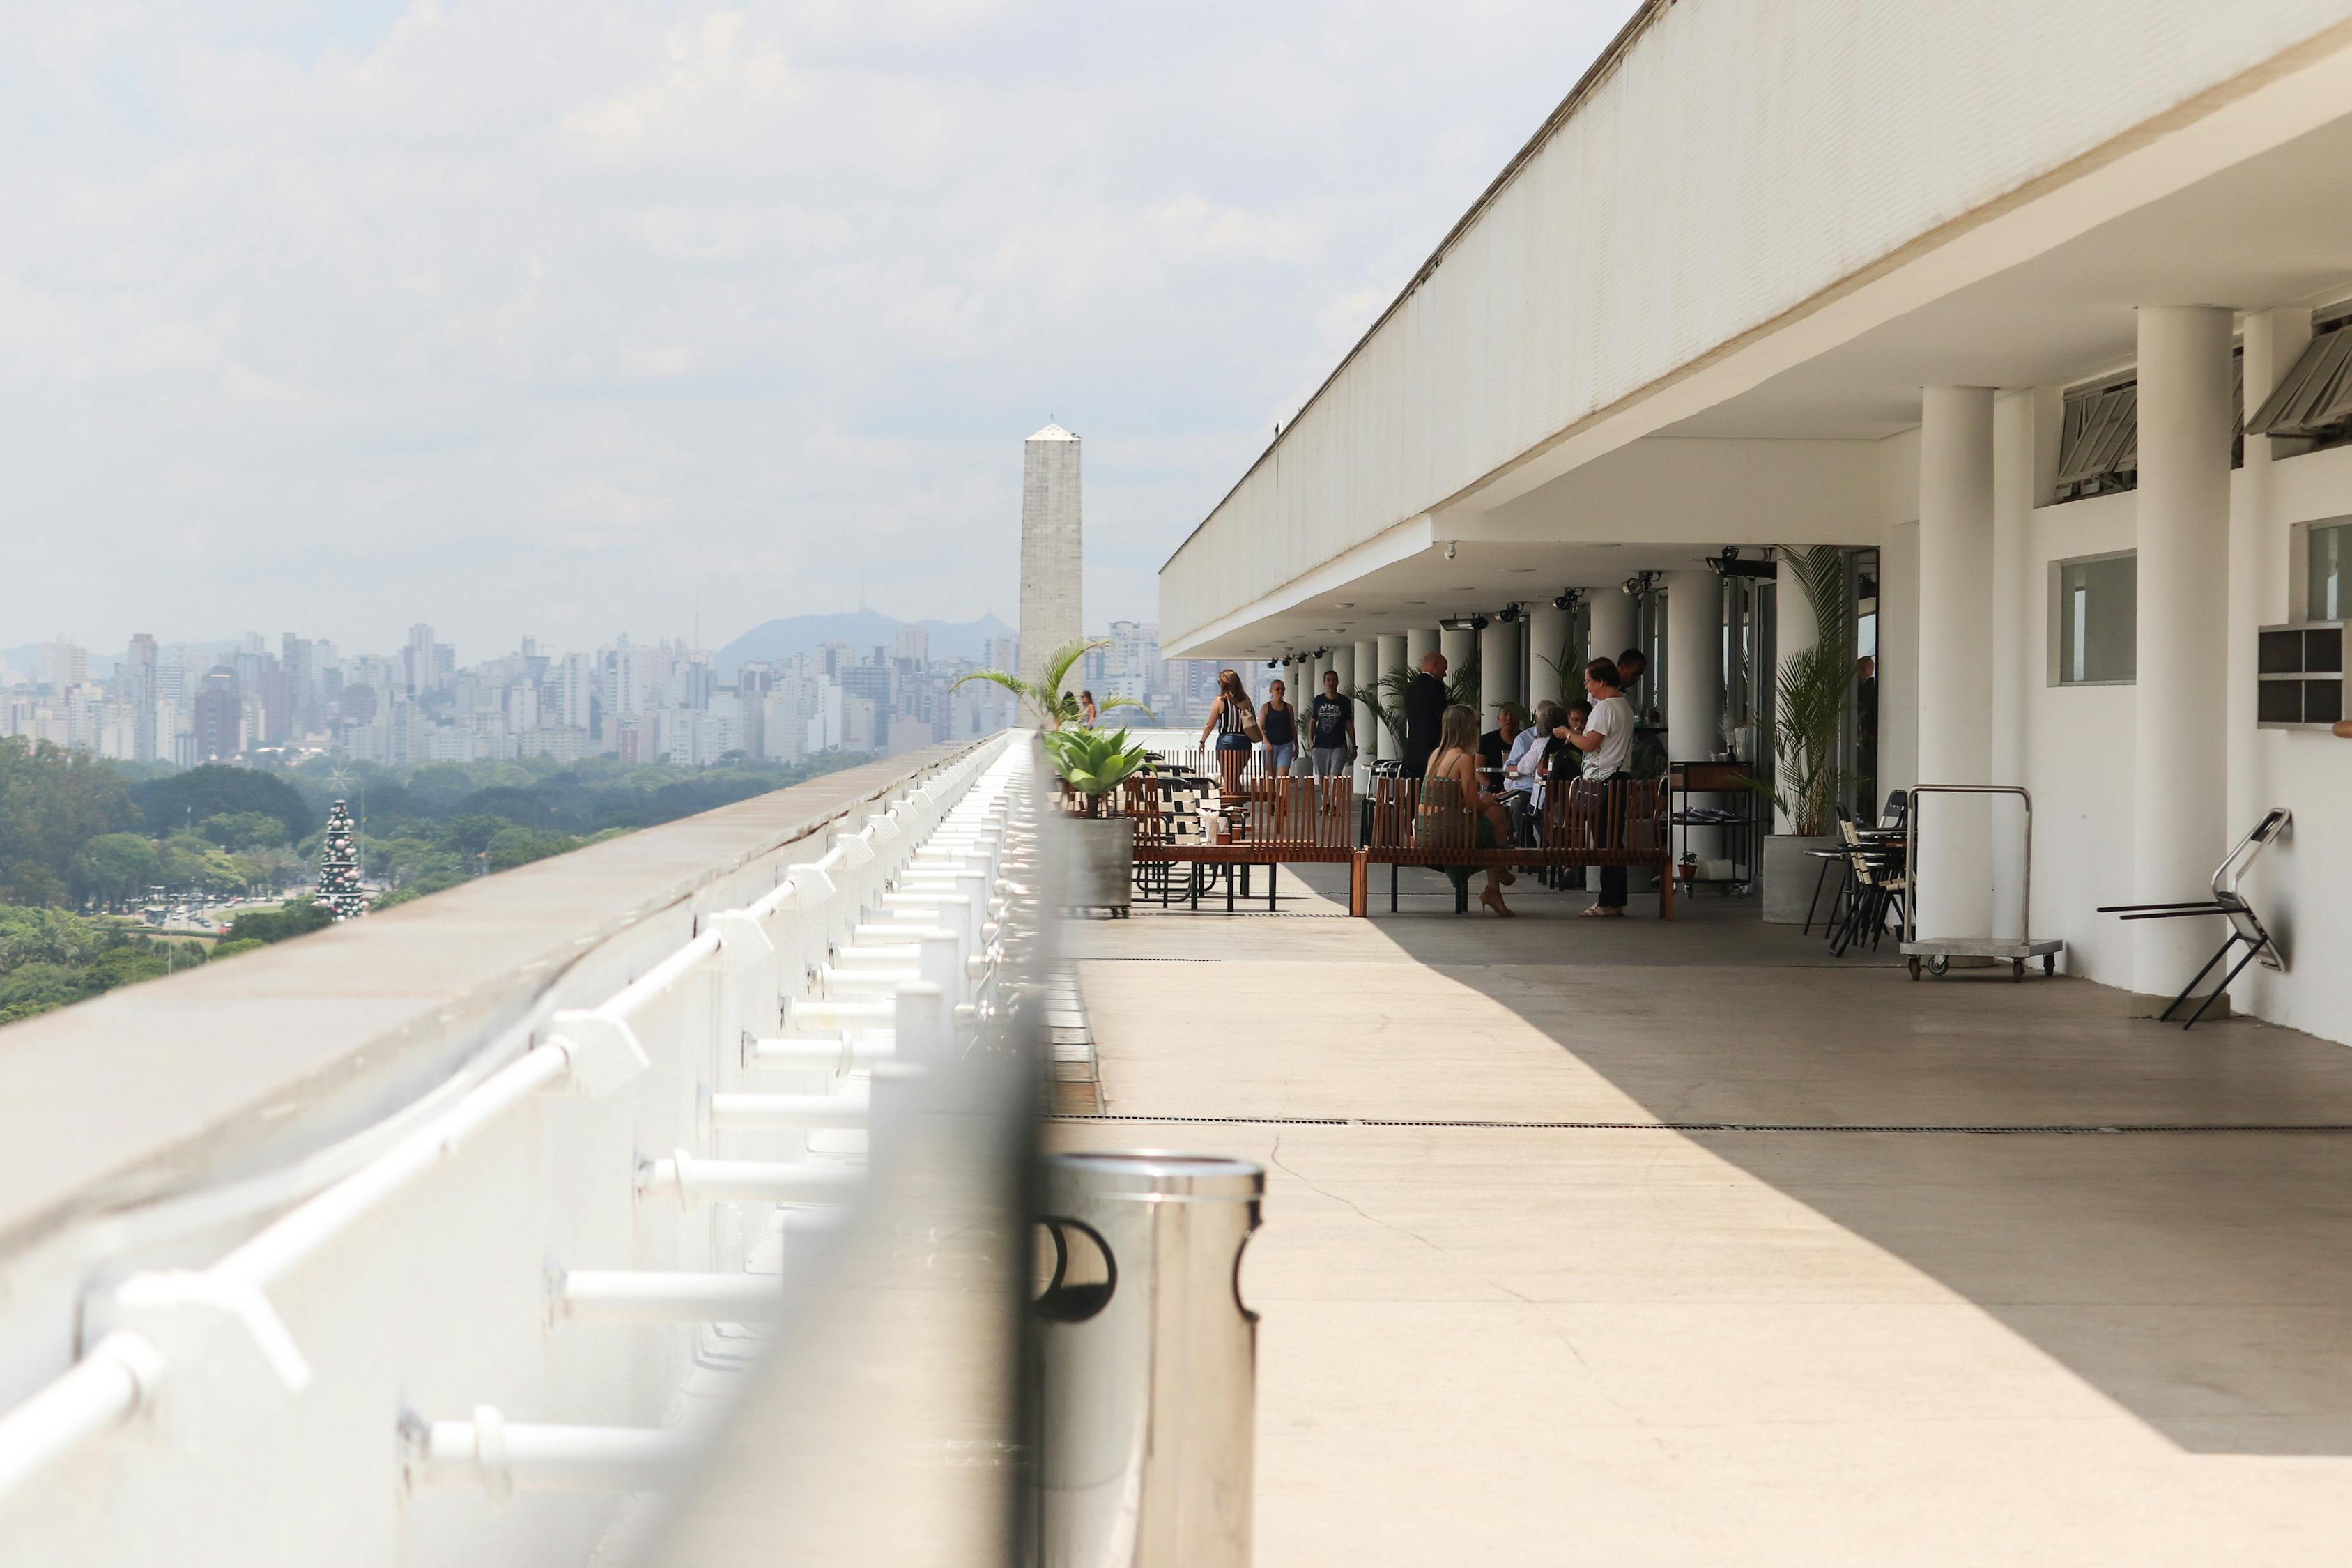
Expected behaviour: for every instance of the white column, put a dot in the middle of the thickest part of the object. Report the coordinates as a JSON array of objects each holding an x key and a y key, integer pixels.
[
  {"x": 1694, "y": 688},
  {"x": 1420, "y": 642},
  {"x": 1547, "y": 645},
  {"x": 1396, "y": 656},
  {"x": 1694, "y": 665},
  {"x": 2025, "y": 428},
  {"x": 1458, "y": 647},
  {"x": 1794, "y": 633},
  {"x": 1609, "y": 629},
  {"x": 1955, "y": 677},
  {"x": 1366, "y": 665},
  {"x": 1498, "y": 669},
  {"x": 2178, "y": 791}
]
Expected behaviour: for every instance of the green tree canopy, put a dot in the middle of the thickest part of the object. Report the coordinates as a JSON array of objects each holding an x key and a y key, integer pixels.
[
  {"x": 243, "y": 830},
  {"x": 172, "y": 805},
  {"x": 52, "y": 802},
  {"x": 119, "y": 868}
]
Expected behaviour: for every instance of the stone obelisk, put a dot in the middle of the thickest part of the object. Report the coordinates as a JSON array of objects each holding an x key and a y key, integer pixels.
[{"x": 1052, "y": 551}]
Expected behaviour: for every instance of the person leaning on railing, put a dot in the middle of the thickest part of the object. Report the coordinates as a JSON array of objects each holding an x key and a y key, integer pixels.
[
  {"x": 1456, "y": 813},
  {"x": 1606, "y": 739}
]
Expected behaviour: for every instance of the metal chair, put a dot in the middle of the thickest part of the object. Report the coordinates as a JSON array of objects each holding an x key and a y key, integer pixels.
[{"x": 2245, "y": 926}]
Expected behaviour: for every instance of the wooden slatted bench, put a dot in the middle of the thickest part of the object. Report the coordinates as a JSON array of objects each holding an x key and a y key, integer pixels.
[
  {"x": 1275, "y": 820},
  {"x": 1574, "y": 831}
]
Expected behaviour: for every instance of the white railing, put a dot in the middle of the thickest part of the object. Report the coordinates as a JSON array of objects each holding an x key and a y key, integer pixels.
[{"x": 529, "y": 1298}]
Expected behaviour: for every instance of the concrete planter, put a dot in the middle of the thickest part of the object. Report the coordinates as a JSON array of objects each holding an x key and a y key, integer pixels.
[
  {"x": 1100, "y": 871},
  {"x": 1791, "y": 875}
]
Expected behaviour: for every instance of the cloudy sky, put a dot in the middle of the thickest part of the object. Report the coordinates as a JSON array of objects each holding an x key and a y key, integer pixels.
[{"x": 568, "y": 318}]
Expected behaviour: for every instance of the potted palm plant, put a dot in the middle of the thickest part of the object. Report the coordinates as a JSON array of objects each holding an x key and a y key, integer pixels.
[
  {"x": 1052, "y": 707},
  {"x": 1813, "y": 688}
]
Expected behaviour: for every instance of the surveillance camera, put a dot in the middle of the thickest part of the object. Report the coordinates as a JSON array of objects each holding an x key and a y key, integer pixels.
[{"x": 1449, "y": 550}]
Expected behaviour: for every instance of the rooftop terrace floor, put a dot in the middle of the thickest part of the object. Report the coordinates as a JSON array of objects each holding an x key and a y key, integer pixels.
[{"x": 1636, "y": 1344}]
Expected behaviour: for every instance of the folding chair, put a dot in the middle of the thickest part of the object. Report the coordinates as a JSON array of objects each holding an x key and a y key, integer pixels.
[{"x": 2245, "y": 926}]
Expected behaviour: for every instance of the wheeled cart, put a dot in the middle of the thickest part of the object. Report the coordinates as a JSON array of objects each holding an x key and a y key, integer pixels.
[{"x": 1935, "y": 954}]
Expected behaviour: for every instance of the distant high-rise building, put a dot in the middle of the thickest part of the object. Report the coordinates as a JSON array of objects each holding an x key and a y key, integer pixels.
[
  {"x": 913, "y": 644},
  {"x": 418, "y": 658},
  {"x": 219, "y": 716},
  {"x": 139, "y": 692},
  {"x": 68, "y": 664},
  {"x": 1052, "y": 549}
]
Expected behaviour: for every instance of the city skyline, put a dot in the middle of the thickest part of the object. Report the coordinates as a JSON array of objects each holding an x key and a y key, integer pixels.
[{"x": 187, "y": 704}]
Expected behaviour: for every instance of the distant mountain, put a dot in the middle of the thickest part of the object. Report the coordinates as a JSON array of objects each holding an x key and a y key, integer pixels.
[
  {"x": 30, "y": 656},
  {"x": 863, "y": 630}
]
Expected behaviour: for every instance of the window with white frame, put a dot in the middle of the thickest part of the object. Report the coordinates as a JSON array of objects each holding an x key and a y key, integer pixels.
[
  {"x": 2326, "y": 598},
  {"x": 2094, "y": 620}
]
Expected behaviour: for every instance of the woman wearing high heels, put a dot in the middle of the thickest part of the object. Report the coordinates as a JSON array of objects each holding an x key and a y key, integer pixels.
[{"x": 1450, "y": 794}]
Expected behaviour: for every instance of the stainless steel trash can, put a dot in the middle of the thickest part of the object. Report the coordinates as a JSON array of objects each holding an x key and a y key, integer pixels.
[{"x": 1148, "y": 1359}]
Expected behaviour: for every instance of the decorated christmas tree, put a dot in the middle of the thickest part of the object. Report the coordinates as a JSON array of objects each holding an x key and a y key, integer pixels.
[{"x": 339, "y": 867}]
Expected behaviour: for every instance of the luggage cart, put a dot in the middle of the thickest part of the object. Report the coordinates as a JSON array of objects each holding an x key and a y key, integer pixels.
[{"x": 1935, "y": 955}]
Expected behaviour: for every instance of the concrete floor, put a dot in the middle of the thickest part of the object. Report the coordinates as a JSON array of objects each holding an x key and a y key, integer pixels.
[{"x": 1632, "y": 1344}]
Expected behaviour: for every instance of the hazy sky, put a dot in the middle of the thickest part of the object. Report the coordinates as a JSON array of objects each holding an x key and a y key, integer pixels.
[{"x": 553, "y": 317}]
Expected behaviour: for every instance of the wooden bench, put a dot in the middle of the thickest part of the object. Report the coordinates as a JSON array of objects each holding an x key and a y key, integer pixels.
[
  {"x": 1272, "y": 820},
  {"x": 1573, "y": 831}
]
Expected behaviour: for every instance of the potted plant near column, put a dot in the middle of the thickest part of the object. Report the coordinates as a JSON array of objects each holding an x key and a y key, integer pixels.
[
  {"x": 1812, "y": 691},
  {"x": 1101, "y": 868}
]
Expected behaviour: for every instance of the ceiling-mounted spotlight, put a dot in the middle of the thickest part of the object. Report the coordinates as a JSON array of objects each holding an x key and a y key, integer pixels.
[
  {"x": 1729, "y": 564},
  {"x": 1510, "y": 613},
  {"x": 1449, "y": 550},
  {"x": 1477, "y": 622},
  {"x": 1569, "y": 599},
  {"x": 1640, "y": 584},
  {"x": 1273, "y": 663}
]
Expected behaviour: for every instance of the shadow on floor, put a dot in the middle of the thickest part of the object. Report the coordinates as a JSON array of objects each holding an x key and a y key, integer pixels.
[{"x": 2197, "y": 1277}]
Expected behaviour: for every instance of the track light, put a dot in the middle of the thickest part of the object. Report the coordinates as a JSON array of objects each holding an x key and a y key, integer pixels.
[
  {"x": 1729, "y": 564},
  {"x": 1510, "y": 612}
]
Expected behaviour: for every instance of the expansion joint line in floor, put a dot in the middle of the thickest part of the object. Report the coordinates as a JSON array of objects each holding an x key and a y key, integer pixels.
[{"x": 2060, "y": 1129}]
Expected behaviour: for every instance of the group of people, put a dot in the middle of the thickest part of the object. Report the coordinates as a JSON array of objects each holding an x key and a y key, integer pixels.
[
  {"x": 1330, "y": 727},
  {"x": 1498, "y": 780}
]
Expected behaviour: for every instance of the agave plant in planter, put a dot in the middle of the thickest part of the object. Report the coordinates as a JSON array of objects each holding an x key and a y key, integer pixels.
[
  {"x": 1101, "y": 870},
  {"x": 1094, "y": 762}
]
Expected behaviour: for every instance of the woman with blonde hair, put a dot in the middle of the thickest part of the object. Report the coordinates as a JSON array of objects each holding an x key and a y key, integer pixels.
[
  {"x": 1235, "y": 722},
  {"x": 1455, "y": 812}
]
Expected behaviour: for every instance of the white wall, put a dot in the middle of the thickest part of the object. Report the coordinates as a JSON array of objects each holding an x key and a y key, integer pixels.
[
  {"x": 2078, "y": 754},
  {"x": 2078, "y": 764}
]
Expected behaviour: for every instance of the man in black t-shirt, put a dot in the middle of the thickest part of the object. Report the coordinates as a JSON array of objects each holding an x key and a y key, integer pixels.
[
  {"x": 1331, "y": 728},
  {"x": 1424, "y": 714}
]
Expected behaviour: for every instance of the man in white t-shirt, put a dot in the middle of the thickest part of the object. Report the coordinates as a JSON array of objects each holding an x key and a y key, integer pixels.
[{"x": 1606, "y": 739}]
